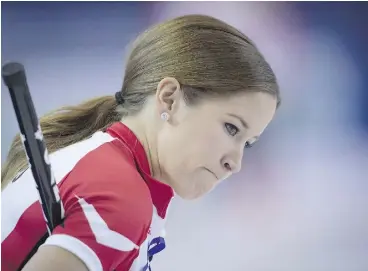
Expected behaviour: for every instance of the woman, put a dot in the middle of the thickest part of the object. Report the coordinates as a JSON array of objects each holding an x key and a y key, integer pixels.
[{"x": 196, "y": 92}]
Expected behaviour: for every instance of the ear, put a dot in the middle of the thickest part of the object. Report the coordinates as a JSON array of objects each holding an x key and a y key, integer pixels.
[{"x": 168, "y": 95}]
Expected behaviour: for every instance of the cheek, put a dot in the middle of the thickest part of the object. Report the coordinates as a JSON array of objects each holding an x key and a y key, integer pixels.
[
  {"x": 174, "y": 148},
  {"x": 185, "y": 155},
  {"x": 203, "y": 150},
  {"x": 185, "y": 149},
  {"x": 209, "y": 146}
]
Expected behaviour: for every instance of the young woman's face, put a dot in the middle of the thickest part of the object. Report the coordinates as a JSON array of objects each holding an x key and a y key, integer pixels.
[{"x": 202, "y": 145}]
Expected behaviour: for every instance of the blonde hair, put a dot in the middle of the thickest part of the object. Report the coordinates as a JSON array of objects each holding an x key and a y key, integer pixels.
[{"x": 207, "y": 56}]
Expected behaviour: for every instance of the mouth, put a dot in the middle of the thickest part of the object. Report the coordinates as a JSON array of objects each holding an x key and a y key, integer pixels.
[{"x": 212, "y": 173}]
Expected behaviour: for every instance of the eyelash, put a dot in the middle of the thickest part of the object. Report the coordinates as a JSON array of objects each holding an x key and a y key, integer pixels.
[
  {"x": 230, "y": 127},
  {"x": 248, "y": 145}
]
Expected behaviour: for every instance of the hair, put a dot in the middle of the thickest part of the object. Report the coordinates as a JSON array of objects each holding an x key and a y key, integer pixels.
[{"x": 208, "y": 57}]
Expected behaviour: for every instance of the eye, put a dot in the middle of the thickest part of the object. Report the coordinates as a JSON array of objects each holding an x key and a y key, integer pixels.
[
  {"x": 231, "y": 129},
  {"x": 248, "y": 145}
]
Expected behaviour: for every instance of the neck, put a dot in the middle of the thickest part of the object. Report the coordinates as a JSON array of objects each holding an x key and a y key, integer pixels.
[{"x": 149, "y": 142}]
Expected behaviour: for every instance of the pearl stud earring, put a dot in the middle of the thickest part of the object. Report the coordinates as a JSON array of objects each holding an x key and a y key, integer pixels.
[{"x": 165, "y": 116}]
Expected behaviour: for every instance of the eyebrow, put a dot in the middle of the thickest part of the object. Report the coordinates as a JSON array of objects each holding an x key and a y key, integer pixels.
[{"x": 243, "y": 122}]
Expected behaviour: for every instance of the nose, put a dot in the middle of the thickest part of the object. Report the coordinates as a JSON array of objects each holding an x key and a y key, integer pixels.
[
  {"x": 232, "y": 163},
  {"x": 232, "y": 167}
]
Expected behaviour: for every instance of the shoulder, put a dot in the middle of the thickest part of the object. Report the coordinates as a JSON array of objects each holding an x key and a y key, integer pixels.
[
  {"x": 108, "y": 207},
  {"x": 107, "y": 178}
]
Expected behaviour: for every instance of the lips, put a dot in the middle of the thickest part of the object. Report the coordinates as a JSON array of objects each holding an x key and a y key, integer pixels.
[{"x": 212, "y": 173}]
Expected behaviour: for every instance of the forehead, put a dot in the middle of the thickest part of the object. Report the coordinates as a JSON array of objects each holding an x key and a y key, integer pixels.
[{"x": 256, "y": 108}]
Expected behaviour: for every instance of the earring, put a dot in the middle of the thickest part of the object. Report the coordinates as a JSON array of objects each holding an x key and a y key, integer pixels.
[{"x": 165, "y": 116}]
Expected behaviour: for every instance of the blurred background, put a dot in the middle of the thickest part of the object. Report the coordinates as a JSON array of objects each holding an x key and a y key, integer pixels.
[{"x": 301, "y": 202}]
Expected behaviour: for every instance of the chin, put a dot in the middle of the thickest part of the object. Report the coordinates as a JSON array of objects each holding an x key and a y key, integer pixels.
[
  {"x": 193, "y": 188},
  {"x": 190, "y": 195}
]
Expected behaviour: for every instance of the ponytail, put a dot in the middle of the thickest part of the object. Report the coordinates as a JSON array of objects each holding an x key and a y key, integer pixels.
[{"x": 63, "y": 127}]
